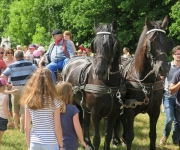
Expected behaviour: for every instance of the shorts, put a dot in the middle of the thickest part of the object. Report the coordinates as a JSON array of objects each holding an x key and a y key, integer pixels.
[
  {"x": 3, "y": 124},
  {"x": 17, "y": 108},
  {"x": 38, "y": 146}
]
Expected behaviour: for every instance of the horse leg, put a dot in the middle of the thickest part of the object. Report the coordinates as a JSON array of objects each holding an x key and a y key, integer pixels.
[
  {"x": 153, "y": 122},
  {"x": 96, "y": 138},
  {"x": 86, "y": 123},
  {"x": 116, "y": 132},
  {"x": 130, "y": 127},
  {"x": 109, "y": 129}
]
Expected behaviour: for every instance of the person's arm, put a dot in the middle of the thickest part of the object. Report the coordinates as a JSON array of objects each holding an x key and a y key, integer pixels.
[
  {"x": 10, "y": 91},
  {"x": 74, "y": 48},
  {"x": 27, "y": 126},
  {"x": 78, "y": 129},
  {"x": 174, "y": 87},
  {"x": 6, "y": 111},
  {"x": 70, "y": 49},
  {"x": 58, "y": 128}
]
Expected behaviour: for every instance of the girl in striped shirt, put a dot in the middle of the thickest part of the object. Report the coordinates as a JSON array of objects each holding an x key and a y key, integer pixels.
[{"x": 42, "y": 108}]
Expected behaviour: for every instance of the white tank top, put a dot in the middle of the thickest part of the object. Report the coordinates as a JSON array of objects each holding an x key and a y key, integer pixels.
[{"x": 2, "y": 101}]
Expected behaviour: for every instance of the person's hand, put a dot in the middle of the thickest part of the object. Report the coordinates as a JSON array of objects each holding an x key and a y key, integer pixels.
[
  {"x": 15, "y": 90},
  {"x": 10, "y": 125}
]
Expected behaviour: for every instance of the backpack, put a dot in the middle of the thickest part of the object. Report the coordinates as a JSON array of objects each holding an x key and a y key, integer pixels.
[{"x": 63, "y": 47}]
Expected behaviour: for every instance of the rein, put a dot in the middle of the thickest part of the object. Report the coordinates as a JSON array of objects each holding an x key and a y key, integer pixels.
[
  {"x": 112, "y": 58},
  {"x": 139, "y": 86}
]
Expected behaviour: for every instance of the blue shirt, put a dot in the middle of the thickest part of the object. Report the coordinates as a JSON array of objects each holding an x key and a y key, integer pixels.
[
  {"x": 70, "y": 139},
  {"x": 19, "y": 71},
  {"x": 58, "y": 54},
  {"x": 175, "y": 80},
  {"x": 168, "y": 79}
]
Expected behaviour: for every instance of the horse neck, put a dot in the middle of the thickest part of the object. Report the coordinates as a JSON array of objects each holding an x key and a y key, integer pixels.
[{"x": 146, "y": 74}]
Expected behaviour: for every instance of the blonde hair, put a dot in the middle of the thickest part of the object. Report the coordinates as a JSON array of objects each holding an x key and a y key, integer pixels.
[
  {"x": 68, "y": 33},
  {"x": 40, "y": 91},
  {"x": 64, "y": 90},
  {"x": 2, "y": 88}
]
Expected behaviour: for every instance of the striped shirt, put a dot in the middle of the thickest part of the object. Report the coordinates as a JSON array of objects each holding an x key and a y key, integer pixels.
[
  {"x": 20, "y": 71},
  {"x": 43, "y": 127}
]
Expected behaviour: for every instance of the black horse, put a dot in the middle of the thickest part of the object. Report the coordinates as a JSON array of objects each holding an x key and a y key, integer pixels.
[
  {"x": 96, "y": 83},
  {"x": 143, "y": 82}
]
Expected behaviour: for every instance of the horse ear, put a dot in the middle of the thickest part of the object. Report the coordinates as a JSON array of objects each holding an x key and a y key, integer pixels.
[
  {"x": 114, "y": 25},
  {"x": 8, "y": 38},
  {"x": 2, "y": 37},
  {"x": 165, "y": 23},
  {"x": 148, "y": 24},
  {"x": 96, "y": 24}
]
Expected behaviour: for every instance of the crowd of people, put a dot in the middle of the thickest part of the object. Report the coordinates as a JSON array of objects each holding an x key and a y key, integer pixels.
[
  {"x": 45, "y": 112},
  {"x": 48, "y": 105}
]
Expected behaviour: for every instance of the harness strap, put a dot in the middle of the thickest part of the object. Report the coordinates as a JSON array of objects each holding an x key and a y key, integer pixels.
[{"x": 150, "y": 86}]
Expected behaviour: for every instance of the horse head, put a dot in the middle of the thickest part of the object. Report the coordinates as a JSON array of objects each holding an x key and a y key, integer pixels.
[
  {"x": 105, "y": 47},
  {"x": 156, "y": 43},
  {"x": 5, "y": 43}
]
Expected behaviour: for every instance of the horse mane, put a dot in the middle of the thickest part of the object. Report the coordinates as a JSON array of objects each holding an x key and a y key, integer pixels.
[{"x": 141, "y": 47}]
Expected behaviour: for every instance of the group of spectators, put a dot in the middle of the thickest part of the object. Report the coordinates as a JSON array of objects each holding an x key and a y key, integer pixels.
[{"x": 28, "y": 76}]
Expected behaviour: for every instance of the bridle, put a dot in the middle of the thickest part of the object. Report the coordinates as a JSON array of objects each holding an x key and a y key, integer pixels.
[
  {"x": 148, "y": 43},
  {"x": 105, "y": 36}
]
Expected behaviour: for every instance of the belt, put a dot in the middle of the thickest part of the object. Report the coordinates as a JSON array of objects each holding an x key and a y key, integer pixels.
[{"x": 19, "y": 85}]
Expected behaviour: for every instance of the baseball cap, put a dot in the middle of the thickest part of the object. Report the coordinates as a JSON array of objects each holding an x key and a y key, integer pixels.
[{"x": 57, "y": 31}]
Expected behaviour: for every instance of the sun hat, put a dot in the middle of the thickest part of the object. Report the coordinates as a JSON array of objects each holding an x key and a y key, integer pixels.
[
  {"x": 36, "y": 53},
  {"x": 41, "y": 48},
  {"x": 2, "y": 82}
]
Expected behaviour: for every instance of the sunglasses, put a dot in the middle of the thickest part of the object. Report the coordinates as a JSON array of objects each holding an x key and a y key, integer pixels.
[
  {"x": 1, "y": 52},
  {"x": 9, "y": 53}
]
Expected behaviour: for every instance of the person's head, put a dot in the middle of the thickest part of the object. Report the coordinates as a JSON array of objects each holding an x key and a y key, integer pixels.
[
  {"x": 40, "y": 90},
  {"x": 2, "y": 84},
  {"x": 19, "y": 54},
  {"x": 125, "y": 50},
  {"x": 57, "y": 35},
  {"x": 32, "y": 48},
  {"x": 1, "y": 52},
  {"x": 42, "y": 50},
  {"x": 64, "y": 90},
  {"x": 9, "y": 52},
  {"x": 18, "y": 47},
  {"x": 25, "y": 48},
  {"x": 176, "y": 53},
  {"x": 67, "y": 35}
]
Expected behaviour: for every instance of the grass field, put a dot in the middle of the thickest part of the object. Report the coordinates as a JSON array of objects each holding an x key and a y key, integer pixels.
[{"x": 15, "y": 140}]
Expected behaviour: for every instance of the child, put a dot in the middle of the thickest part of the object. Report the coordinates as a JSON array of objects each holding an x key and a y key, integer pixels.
[
  {"x": 69, "y": 118},
  {"x": 4, "y": 113},
  {"x": 42, "y": 109}
]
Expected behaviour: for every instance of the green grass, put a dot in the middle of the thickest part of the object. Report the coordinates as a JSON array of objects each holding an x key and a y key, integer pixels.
[{"x": 15, "y": 140}]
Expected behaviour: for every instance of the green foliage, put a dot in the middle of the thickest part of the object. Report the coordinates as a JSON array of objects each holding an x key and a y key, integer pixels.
[
  {"x": 175, "y": 27},
  {"x": 25, "y": 20},
  {"x": 41, "y": 36}
]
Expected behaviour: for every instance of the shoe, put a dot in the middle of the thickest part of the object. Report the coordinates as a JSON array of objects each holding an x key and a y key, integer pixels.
[{"x": 163, "y": 140}]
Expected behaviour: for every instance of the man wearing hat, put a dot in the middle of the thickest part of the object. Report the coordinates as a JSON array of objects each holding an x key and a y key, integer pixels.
[{"x": 59, "y": 52}]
